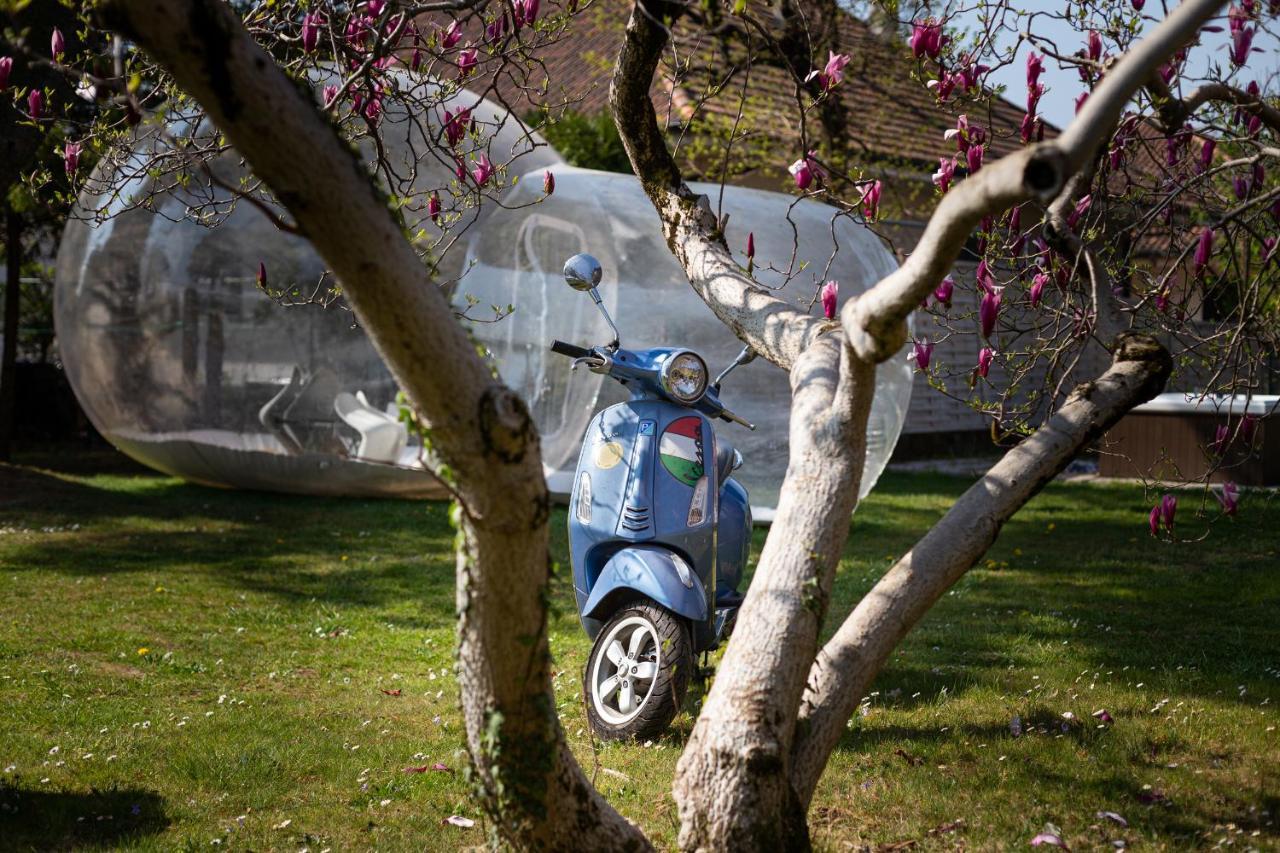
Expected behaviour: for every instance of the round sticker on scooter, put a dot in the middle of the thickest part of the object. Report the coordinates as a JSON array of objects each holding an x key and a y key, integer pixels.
[
  {"x": 681, "y": 449},
  {"x": 608, "y": 455}
]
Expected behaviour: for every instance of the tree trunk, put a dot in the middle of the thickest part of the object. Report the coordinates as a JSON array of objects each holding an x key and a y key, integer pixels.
[
  {"x": 848, "y": 663},
  {"x": 528, "y": 781},
  {"x": 9, "y": 356}
]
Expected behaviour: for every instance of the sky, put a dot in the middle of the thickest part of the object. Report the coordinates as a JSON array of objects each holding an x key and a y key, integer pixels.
[{"x": 1058, "y": 103}]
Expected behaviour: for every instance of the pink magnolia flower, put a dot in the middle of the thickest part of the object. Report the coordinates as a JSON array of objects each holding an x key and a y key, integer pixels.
[
  {"x": 450, "y": 35},
  {"x": 1081, "y": 208},
  {"x": 831, "y": 75},
  {"x": 262, "y": 276},
  {"x": 985, "y": 355},
  {"x": 1221, "y": 439},
  {"x": 497, "y": 29},
  {"x": 1168, "y": 508},
  {"x": 973, "y": 157},
  {"x": 548, "y": 182},
  {"x": 1153, "y": 520},
  {"x": 942, "y": 87},
  {"x": 57, "y": 44},
  {"x": 960, "y": 133},
  {"x": 1033, "y": 97},
  {"x": 373, "y": 109},
  {"x": 1028, "y": 128},
  {"x": 1035, "y": 67},
  {"x": 526, "y": 11},
  {"x": 1138, "y": 4},
  {"x": 805, "y": 170},
  {"x": 989, "y": 310},
  {"x": 1080, "y": 99},
  {"x": 483, "y": 170},
  {"x": 926, "y": 38},
  {"x": 71, "y": 157},
  {"x": 433, "y": 208},
  {"x": 1241, "y": 45},
  {"x": 1162, "y": 300},
  {"x": 358, "y": 29},
  {"x": 830, "y": 293},
  {"x": 1229, "y": 497},
  {"x": 922, "y": 353},
  {"x": 871, "y": 200},
  {"x": 6, "y": 68},
  {"x": 1095, "y": 45},
  {"x": 945, "y": 174},
  {"x": 415, "y": 60},
  {"x": 310, "y": 31},
  {"x": 1248, "y": 429},
  {"x": 35, "y": 104},
  {"x": 944, "y": 291},
  {"x": 1204, "y": 251},
  {"x": 330, "y": 95},
  {"x": 456, "y": 125},
  {"x": 751, "y": 244},
  {"x": 375, "y": 7},
  {"x": 1269, "y": 245},
  {"x": 467, "y": 60},
  {"x": 1037, "y": 288},
  {"x": 1206, "y": 153}
]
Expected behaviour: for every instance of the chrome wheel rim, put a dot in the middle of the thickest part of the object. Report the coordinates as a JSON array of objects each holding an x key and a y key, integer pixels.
[{"x": 623, "y": 674}]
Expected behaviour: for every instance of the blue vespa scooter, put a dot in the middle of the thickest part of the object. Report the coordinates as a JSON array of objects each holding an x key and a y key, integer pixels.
[{"x": 659, "y": 531}]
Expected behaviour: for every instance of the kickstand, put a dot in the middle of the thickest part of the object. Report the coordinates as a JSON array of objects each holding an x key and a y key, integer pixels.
[{"x": 704, "y": 672}]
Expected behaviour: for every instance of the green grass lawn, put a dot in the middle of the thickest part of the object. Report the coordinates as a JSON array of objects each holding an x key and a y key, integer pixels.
[{"x": 182, "y": 667}]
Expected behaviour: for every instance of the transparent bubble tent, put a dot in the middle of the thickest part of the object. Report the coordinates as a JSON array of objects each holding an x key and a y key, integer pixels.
[{"x": 182, "y": 363}]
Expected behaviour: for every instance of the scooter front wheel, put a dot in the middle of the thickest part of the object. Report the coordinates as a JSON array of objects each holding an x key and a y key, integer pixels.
[{"x": 637, "y": 673}]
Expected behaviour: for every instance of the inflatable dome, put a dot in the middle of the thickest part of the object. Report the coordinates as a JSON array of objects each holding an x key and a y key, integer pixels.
[
  {"x": 183, "y": 363},
  {"x": 518, "y": 259}
]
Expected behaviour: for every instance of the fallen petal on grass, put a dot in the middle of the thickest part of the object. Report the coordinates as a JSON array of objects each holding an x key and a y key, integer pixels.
[
  {"x": 459, "y": 820},
  {"x": 1112, "y": 816},
  {"x": 1049, "y": 838}
]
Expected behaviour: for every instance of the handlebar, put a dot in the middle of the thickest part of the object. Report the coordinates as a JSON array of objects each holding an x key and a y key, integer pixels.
[{"x": 571, "y": 350}]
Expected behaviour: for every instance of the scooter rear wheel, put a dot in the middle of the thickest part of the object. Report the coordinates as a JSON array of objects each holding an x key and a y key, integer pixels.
[{"x": 637, "y": 673}]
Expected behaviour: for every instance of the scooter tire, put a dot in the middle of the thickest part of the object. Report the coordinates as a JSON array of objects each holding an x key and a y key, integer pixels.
[{"x": 666, "y": 693}]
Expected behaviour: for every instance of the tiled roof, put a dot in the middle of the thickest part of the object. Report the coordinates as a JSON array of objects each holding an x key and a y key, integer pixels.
[{"x": 893, "y": 117}]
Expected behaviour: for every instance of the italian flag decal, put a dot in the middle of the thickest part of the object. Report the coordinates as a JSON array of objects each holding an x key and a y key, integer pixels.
[{"x": 681, "y": 449}]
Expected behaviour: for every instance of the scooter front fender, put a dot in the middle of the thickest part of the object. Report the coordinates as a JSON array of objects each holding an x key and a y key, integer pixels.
[{"x": 643, "y": 571}]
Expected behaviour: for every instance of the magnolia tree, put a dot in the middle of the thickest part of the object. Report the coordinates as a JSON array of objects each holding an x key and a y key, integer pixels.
[{"x": 1076, "y": 311}]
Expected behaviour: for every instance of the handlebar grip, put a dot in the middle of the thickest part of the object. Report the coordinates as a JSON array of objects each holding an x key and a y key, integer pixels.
[{"x": 571, "y": 350}]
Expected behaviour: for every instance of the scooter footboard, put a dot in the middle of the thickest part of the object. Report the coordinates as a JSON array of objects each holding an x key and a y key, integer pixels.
[{"x": 644, "y": 571}]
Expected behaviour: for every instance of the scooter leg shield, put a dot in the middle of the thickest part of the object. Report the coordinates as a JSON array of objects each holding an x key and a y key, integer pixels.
[{"x": 649, "y": 572}]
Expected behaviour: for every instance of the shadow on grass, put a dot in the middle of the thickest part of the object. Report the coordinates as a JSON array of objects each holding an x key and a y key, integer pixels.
[{"x": 31, "y": 819}]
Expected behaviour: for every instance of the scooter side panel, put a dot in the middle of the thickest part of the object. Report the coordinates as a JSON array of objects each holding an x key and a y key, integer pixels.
[
  {"x": 734, "y": 545},
  {"x": 643, "y": 571}
]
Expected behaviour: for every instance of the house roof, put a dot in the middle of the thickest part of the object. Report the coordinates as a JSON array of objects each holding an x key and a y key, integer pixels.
[{"x": 894, "y": 119}]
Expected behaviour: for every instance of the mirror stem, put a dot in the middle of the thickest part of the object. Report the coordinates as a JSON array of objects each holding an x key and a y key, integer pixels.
[
  {"x": 747, "y": 355},
  {"x": 614, "y": 344}
]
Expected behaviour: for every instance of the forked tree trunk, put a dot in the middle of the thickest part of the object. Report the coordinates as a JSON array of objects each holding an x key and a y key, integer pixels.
[{"x": 528, "y": 780}]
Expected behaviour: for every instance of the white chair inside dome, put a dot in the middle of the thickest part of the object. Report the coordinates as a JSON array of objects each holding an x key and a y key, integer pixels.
[{"x": 382, "y": 437}]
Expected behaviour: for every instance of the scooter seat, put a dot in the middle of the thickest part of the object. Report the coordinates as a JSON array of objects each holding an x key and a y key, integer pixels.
[{"x": 724, "y": 460}]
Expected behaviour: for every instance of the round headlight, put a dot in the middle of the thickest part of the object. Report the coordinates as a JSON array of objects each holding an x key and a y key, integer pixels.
[{"x": 684, "y": 377}]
